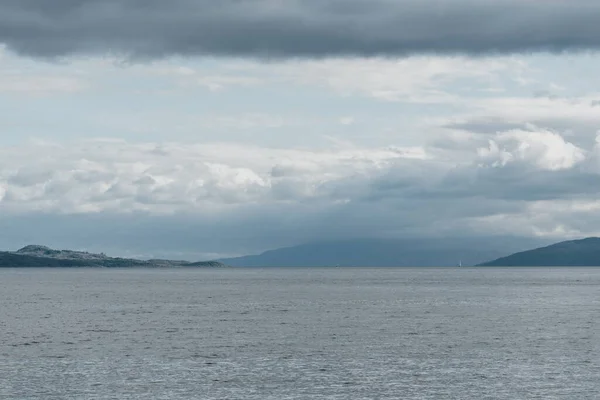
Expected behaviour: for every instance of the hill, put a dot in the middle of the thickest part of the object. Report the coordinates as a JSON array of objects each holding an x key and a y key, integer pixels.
[
  {"x": 387, "y": 253},
  {"x": 572, "y": 253},
  {"x": 42, "y": 256}
]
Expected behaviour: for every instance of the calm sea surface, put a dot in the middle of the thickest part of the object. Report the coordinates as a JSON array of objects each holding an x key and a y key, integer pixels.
[{"x": 300, "y": 334}]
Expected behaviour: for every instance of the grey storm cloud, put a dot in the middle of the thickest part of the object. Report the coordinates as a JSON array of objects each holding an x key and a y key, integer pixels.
[{"x": 296, "y": 28}]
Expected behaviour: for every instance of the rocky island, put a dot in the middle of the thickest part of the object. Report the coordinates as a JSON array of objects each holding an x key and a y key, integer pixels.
[{"x": 42, "y": 256}]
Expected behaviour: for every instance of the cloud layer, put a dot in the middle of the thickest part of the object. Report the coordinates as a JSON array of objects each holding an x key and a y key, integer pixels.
[
  {"x": 296, "y": 28},
  {"x": 530, "y": 182},
  {"x": 113, "y": 175},
  {"x": 307, "y": 149}
]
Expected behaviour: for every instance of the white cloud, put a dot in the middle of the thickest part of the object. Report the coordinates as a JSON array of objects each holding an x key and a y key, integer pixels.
[
  {"x": 117, "y": 176},
  {"x": 545, "y": 149},
  {"x": 190, "y": 77},
  {"x": 384, "y": 188},
  {"x": 526, "y": 109},
  {"x": 419, "y": 79},
  {"x": 234, "y": 199},
  {"x": 16, "y": 81},
  {"x": 346, "y": 120},
  {"x": 422, "y": 79}
]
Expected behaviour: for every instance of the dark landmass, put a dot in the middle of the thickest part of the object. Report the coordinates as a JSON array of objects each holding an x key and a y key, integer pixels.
[
  {"x": 388, "y": 253},
  {"x": 42, "y": 256},
  {"x": 572, "y": 253}
]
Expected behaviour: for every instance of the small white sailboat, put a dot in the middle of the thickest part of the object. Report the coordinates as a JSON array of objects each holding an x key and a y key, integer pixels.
[{"x": 460, "y": 263}]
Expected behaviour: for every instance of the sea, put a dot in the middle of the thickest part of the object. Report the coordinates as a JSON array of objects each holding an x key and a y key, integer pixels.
[{"x": 300, "y": 333}]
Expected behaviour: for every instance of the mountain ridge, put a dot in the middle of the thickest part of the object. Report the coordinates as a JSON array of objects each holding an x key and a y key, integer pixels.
[
  {"x": 356, "y": 252},
  {"x": 43, "y": 256},
  {"x": 374, "y": 252},
  {"x": 570, "y": 253}
]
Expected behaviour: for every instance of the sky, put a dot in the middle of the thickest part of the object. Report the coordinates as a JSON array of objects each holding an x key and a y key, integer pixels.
[{"x": 202, "y": 129}]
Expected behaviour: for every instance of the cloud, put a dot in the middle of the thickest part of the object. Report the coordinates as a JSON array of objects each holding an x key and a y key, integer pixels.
[
  {"x": 15, "y": 83},
  {"x": 545, "y": 149},
  {"x": 574, "y": 117},
  {"x": 108, "y": 175},
  {"x": 309, "y": 28},
  {"x": 417, "y": 79},
  {"x": 234, "y": 199}
]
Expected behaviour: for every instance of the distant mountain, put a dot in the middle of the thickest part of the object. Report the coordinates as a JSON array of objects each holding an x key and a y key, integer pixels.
[
  {"x": 388, "y": 253},
  {"x": 572, "y": 253},
  {"x": 42, "y": 256}
]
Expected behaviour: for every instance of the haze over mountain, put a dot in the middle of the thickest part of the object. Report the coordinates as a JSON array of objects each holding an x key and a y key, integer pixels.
[
  {"x": 388, "y": 252},
  {"x": 572, "y": 253}
]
